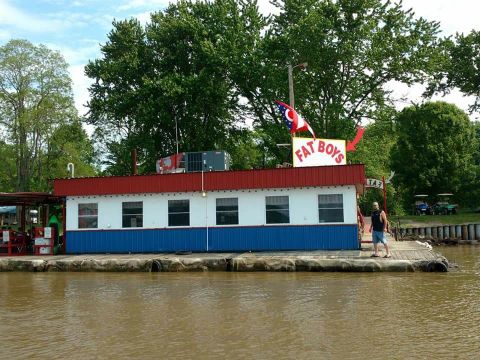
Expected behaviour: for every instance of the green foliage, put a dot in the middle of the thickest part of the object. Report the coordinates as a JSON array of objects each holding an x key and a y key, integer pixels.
[
  {"x": 69, "y": 143},
  {"x": 353, "y": 48},
  {"x": 374, "y": 151},
  {"x": 469, "y": 196},
  {"x": 434, "y": 151},
  {"x": 172, "y": 73},
  {"x": 35, "y": 102},
  {"x": 461, "y": 67},
  {"x": 377, "y": 142},
  {"x": 244, "y": 150},
  {"x": 7, "y": 170},
  {"x": 208, "y": 66}
]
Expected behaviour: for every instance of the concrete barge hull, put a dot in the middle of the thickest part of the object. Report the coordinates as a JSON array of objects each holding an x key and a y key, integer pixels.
[{"x": 220, "y": 262}]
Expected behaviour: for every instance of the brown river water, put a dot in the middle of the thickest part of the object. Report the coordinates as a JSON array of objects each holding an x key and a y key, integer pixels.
[{"x": 244, "y": 315}]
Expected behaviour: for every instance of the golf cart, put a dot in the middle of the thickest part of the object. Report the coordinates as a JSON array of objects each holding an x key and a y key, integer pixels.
[
  {"x": 421, "y": 206},
  {"x": 443, "y": 206}
]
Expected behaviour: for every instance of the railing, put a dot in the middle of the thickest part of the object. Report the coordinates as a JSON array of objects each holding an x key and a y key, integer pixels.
[
  {"x": 439, "y": 232},
  {"x": 13, "y": 243}
]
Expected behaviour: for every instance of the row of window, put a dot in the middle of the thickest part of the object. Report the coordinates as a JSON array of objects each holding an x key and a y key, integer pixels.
[{"x": 277, "y": 211}]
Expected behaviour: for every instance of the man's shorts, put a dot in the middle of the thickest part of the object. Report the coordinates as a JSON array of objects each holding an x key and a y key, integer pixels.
[{"x": 378, "y": 237}]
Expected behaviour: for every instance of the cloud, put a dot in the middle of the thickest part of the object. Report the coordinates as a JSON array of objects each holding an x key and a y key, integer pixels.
[
  {"x": 266, "y": 8},
  {"x": 136, "y": 4},
  {"x": 144, "y": 17},
  {"x": 454, "y": 16},
  {"x": 80, "y": 85},
  {"x": 75, "y": 19},
  {"x": 5, "y": 35},
  {"x": 408, "y": 95},
  {"x": 11, "y": 16},
  {"x": 78, "y": 53}
]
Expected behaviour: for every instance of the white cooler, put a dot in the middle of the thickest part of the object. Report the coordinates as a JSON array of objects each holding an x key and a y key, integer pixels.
[{"x": 42, "y": 241}]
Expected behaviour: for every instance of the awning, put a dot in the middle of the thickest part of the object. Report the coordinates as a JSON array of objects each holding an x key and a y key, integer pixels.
[{"x": 29, "y": 199}]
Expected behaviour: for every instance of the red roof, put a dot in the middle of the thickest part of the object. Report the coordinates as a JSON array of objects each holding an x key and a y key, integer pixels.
[{"x": 217, "y": 180}]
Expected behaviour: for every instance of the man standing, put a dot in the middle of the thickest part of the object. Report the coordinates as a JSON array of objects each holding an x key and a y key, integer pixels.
[{"x": 379, "y": 225}]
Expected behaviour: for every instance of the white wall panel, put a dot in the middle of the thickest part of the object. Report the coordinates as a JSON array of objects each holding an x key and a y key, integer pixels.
[{"x": 303, "y": 207}]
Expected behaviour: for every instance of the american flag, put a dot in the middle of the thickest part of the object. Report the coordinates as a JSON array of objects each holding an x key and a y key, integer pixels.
[{"x": 294, "y": 121}]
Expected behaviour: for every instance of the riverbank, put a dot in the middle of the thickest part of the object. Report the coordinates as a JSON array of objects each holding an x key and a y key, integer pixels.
[{"x": 406, "y": 257}]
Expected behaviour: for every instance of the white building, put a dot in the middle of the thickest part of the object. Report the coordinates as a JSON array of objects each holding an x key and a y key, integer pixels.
[{"x": 258, "y": 210}]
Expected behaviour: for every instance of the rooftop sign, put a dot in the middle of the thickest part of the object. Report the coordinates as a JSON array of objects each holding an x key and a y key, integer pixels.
[{"x": 318, "y": 152}]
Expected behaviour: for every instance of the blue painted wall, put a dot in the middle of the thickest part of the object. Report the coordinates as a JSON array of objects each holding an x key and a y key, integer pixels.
[{"x": 220, "y": 239}]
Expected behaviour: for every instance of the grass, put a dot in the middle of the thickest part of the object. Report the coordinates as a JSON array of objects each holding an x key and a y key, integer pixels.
[{"x": 462, "y": 217}]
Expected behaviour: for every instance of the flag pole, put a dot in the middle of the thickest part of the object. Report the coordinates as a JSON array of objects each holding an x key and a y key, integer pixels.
[
  {"x": 291, "y": 96},
  {"x": 384, "y": 195}
]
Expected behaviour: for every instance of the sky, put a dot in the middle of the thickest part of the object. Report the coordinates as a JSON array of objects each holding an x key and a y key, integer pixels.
[{"x": 77, "y": 28}]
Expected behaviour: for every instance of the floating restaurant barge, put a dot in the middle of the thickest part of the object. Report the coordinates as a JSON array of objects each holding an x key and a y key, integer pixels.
[{"x": 309, "y": 208}]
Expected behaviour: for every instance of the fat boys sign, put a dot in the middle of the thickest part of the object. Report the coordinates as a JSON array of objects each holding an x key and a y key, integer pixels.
[{"x": 318, "y": 152}]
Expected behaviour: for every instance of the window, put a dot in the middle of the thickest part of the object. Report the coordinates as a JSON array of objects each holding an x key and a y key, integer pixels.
[
  {"x": 277, "y": 210},
  {"x": 132, "y": 214},
  {"x": 87, "y": 216},
  {"x": 330, "y": 208},
  {"x": 178, "y": 212},
  {"x": 227, "y": 211}
]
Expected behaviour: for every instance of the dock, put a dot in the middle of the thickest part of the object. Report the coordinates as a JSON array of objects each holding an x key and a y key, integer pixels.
[{"x": 407, "y": 256}]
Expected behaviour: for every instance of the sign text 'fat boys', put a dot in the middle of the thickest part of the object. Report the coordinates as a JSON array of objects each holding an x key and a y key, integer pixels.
[{"x": 318, "y": 152}]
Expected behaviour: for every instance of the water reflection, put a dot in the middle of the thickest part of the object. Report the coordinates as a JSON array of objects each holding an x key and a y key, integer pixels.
[{"x": 251, "y": 315}]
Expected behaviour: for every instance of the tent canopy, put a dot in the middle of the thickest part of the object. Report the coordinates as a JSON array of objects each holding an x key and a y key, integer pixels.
[{"x": 8, "y": 209}]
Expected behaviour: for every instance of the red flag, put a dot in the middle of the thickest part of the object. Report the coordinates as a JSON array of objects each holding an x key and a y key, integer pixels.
[{"x": 295, "y": 122}]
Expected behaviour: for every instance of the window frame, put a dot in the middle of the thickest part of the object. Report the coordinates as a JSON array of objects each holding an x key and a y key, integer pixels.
[
  {"x": 331, "y": 208},
  {"x": 178, "y": 213},
  {"x": 87, "y": 216},
  {"x": 227, "y": 212},
  {"x": 136, "y": 215},
  {"x": 279, "y": 211}
]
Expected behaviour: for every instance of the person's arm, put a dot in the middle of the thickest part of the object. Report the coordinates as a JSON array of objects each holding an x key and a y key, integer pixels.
[
  {"x": 385, "y": 221},
  {"x": 371, "y": 224},
  {"x": 360, "y": 218}
]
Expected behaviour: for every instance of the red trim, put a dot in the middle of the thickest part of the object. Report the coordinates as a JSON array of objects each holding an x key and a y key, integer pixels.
[{"x": 212, "y": 181}]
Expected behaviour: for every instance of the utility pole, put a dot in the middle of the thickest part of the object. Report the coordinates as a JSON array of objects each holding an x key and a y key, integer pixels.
[
  {"x": 290, "y": 86},
  {"x": 290, "y": 81}
]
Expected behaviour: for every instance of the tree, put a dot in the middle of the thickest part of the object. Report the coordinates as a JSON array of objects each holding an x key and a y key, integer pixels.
[
  {"x": 460, "y": 67},
  {"x": 353, "y": 48},
  {"x": 469, "y": 193},
  {"x": 69, "y": 143},
  {"x": 35, "y": 100},
  {"x": 7, "y": 170},
  {"x": 117, "y": 96},
  {"x": 434, "y": 151},
  {"x": 172, "y": 74},
  {"x": 374, "y": 150},
  {"x": 208, "y": 66}
]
